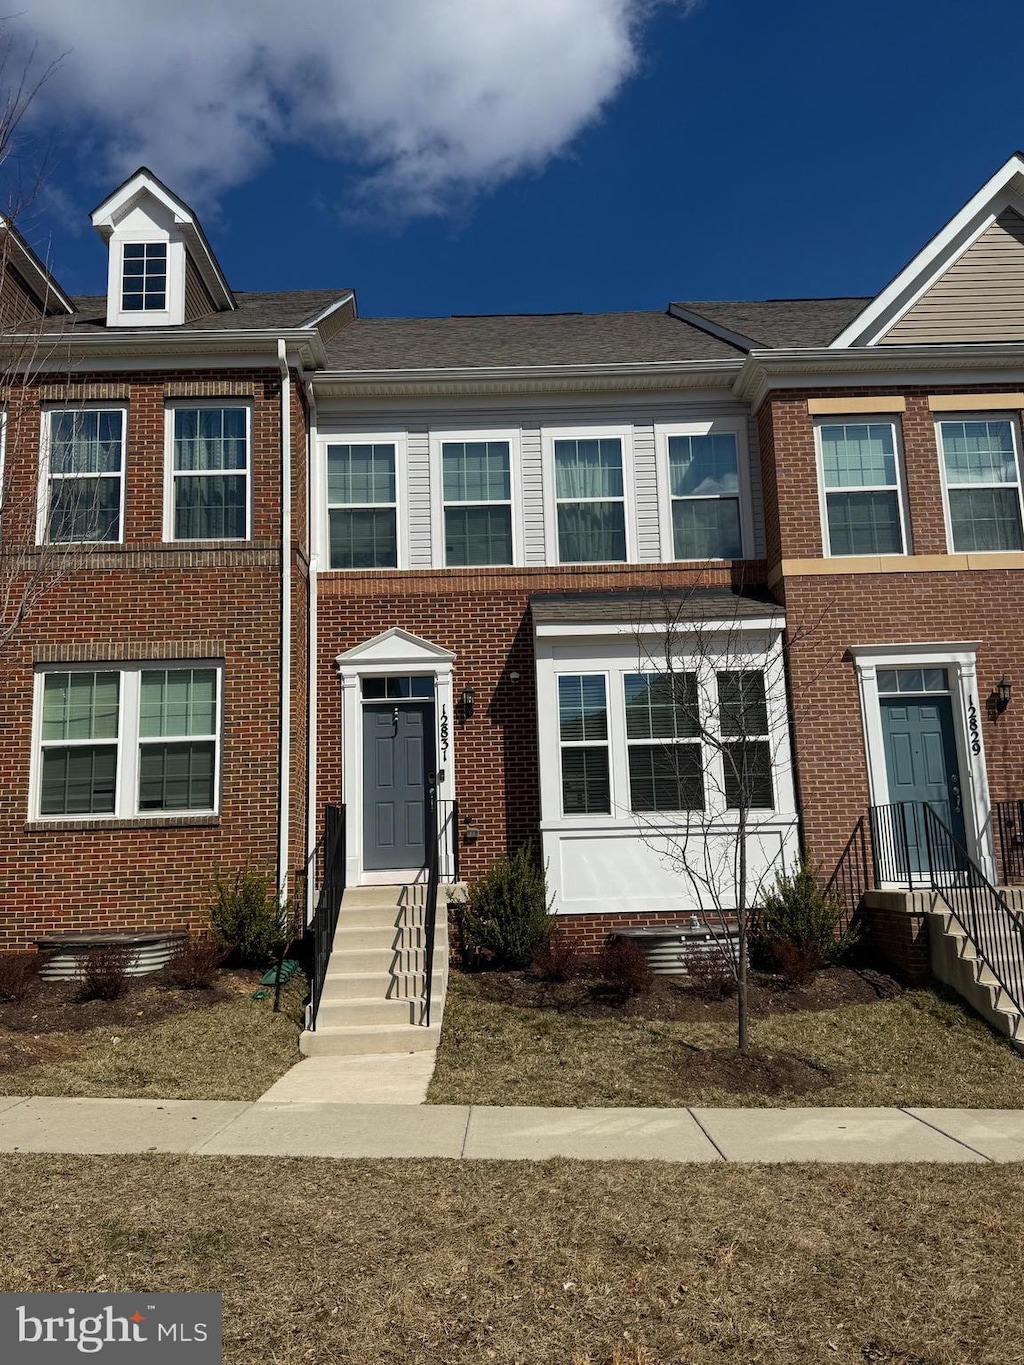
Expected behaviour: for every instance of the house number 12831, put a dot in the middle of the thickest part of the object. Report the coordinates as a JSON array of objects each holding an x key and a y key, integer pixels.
[{"x": 972, "y": 726}]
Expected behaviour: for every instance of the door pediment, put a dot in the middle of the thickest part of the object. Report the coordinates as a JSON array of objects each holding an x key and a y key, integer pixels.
[{"x": 395, "y": 648}]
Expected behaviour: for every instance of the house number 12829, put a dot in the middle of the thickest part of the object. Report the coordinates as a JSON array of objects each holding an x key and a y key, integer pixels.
[{"x": 972, "y": 726}]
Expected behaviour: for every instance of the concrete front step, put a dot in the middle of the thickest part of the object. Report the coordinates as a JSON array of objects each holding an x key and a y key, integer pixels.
[
  {"x": 355, "y": 1013},
  {"x": 378, "y": 985},
  {"x": 349, "y": 1042},
  {"x": 372, "y": 961},
  {"x": 384, "y": 936}
]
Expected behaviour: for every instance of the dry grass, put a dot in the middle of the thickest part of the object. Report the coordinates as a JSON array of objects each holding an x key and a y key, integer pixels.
[
  {"x": 404, "y": 1263},
  {"x": 231, "y": 1051},
  {"x": 917, "y": 1049}
]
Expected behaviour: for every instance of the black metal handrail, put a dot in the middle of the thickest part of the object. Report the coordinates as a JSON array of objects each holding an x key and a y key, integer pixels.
[
  {"x": 442, "y": 861},
  {"x": 1010, "y": 825},
  {"x": 915, "y": 848},
  {"x": 331, "y": 870},
  {"x": 850, "y": 879}
]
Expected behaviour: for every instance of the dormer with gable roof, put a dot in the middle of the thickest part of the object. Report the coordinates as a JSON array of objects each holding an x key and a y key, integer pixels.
[{"x": 161, "y": 269}]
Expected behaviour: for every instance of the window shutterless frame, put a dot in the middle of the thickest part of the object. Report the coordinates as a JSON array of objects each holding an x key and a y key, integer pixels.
[
  {"x": 1013, "y": 486},
  {"x": 49, "y": 416},
  {"x": 130, "y": 738},
  {"x": 550, "y": 436},
  {"x": 827, "y": 488},
  {"x": 172, "y": 475},
  {"x": 440, "y": 504},
  {"x": 398, "y": 440},
  {"x": 703, "y": 490}
]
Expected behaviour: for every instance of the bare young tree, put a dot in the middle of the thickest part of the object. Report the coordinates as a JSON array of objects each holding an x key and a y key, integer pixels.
[
  {"x": 34, "y": 554},
  {"x": 710, "y": 764}
]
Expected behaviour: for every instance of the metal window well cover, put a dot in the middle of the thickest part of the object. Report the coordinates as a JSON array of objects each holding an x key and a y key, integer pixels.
[
  {"x": 670, "y": 947},
  {"x": 152, "y": 951}
]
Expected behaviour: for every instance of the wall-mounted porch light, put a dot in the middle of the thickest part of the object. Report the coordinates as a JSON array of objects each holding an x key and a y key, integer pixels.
[
  {"x": 467, "y": 702},
  {"x": 1004, "y": 692}
]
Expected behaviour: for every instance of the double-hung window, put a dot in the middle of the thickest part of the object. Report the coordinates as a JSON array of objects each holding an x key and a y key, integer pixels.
[
  {"x": 209, "y": 472},
  {"x": 144, "y": 277},
  {"x": 583, "y": 736},
  {"x": 476, "y": 478},
  {"x": 131, "y": 741},
  {"x": 590, "y": 500},
  {"x": 746, "y": 746},
  {"x": 362, "y": 505},
  {"x": 663, "y": 739},
  {"x": 861, "y": 482},
  {"x": 704, "y": 485},
  {"x": 981, "y": 472},
  {"x": 84, "y": 475}
]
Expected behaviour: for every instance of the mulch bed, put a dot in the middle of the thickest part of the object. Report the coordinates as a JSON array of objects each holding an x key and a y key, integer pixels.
[
  {"x": 679, "y": 998},
  {"x": 56, "y": 1007},
  {"x": 767, "y": 1074}
]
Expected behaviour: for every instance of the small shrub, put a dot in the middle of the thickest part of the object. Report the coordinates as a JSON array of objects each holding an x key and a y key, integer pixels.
[
  {"x": 194, "y": 964},
  {"x": 18, "y": 974},
  {"x": 559, "y": 960},
  {"x": 798, "y": 925},
  {"x": 103, "y": 974},
  {"x": 506, "y": 914},
  {"x": 623, "y": 964},
  {"x": 710, "y": 973},
  {"x": 246, "y": 916}
]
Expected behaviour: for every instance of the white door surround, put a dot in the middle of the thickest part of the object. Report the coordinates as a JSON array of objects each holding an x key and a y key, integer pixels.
[
  {"x": 960, "y": 661},
  {"x": 394, "y": 653}
]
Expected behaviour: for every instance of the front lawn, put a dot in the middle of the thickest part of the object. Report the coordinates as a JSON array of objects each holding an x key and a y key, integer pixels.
[
  {"x": 513, "y": 1042},
  {"x": 153, "y": 1042},
  {"x": 458, "y": 1263}
]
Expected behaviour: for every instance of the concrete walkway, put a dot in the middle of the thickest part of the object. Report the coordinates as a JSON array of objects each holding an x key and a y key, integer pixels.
[
  {"x": 364, "y": 1078},
  {"x": 240, "y": 1128}
]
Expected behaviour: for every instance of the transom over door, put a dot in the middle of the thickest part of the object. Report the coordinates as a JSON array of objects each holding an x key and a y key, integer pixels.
[
  {"x": 398, "y": 764},
  {"x": 921, "y": 761}
]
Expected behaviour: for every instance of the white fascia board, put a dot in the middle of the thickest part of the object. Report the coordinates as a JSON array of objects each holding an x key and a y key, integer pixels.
[
  {"x": 566, "y": 630},
  {"x": 339, "y": 302},
  {"x": 160, "y": 349},
  {"x": 936, "y": 257},
  {"x": 929, "y": 649},
  {"x": 31, "y": 266}
]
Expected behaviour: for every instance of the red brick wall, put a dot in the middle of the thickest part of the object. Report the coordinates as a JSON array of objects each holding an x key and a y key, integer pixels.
[
  {"x": 482, "y": 616},
  {"x": 139, "y": 600}
]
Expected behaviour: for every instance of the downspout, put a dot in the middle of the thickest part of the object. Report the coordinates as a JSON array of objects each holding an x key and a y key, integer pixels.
[
  {"x": 313, "y": 546},
  {"x": 284, "y": 794}
]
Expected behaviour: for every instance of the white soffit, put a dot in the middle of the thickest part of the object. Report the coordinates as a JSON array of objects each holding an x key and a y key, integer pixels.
[{"x": 1004, "y": 190}]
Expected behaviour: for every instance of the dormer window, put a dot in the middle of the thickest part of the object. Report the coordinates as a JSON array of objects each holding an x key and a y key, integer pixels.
[{"x": 144, "y": 279}]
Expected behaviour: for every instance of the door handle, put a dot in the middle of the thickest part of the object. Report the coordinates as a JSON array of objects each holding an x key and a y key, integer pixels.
[
  {"x": 394, "y": 720},
  {"x": 954, "y": 785}
]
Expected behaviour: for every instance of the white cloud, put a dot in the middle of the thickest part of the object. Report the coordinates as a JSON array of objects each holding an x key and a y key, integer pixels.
[{"x": 433, "y": 98}]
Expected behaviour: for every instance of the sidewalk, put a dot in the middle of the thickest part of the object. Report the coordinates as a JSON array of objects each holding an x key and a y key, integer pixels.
[{"x": 463, "y": 1132}]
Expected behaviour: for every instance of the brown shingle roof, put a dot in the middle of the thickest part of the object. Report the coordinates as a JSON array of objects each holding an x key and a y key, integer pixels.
[
  {"x": 514, "y": 340},
  {"x": 256, "y": 309},
  {"x": 782, "y": 322},
  {"x": 637, "y": 607}
]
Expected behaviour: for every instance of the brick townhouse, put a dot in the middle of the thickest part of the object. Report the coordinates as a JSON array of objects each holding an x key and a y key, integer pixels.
[{"x": 305, "y": 557}]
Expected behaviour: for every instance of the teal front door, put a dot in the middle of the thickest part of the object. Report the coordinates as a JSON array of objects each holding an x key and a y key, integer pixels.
[{"x": 922, "y": 767}]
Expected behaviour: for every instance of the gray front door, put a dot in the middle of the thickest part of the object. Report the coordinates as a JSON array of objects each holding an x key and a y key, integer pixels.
[
  {"x": 922, "y": 766},
  {"x": 398, "y": 763}
]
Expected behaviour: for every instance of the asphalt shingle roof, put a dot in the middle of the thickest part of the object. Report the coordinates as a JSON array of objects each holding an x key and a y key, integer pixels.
[
  {"x": 635, "y": 607},
  {"x": 538, "y": 339},
  {"x": 255, "y": 309},
  {"x": 782, "y": 322}
]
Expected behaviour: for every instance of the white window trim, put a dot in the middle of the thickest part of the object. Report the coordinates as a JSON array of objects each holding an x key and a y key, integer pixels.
[
  {"x": 175, "y": 298},
  {"x": 128, "y": 740},
  {"x": 960, "y": 660},
  {"x": 624, "y": 434},
  {"x": 863, "y": 419},
  {"x": 438, "y": 439},
  {"x": 43, "y": 499},
  {"x": 609, "y": 700},
  {"x": 144, "y": 277},
  {"x": 400, "y": 441},
  {"x": 993, "y": 416},
  {"x": 737, "y": 426},
  {"x": 172, "y": 406},
  {"x": 693, "y": 741}
]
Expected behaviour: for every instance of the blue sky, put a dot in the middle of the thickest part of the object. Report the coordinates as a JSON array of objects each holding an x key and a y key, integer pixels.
[{"x": 633, "y": 155}]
